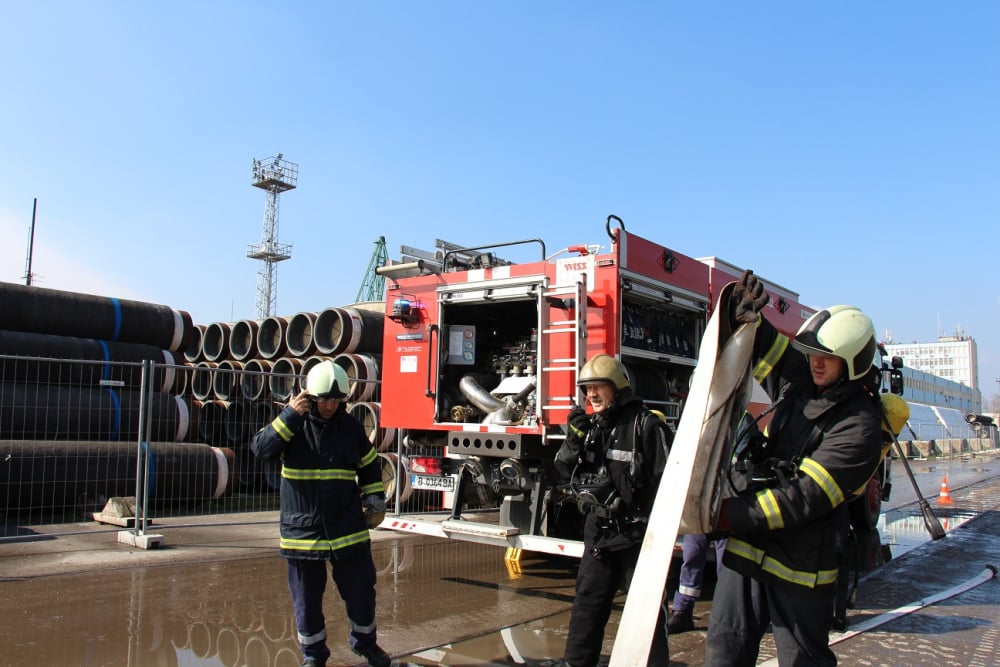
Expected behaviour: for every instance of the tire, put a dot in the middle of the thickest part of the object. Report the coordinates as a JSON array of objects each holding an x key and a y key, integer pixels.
[{"x": 866, "y": 508}]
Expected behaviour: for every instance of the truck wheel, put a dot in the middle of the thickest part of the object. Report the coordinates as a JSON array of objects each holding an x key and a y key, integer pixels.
[
  {"x": 866, "y": 508},
  {"x": 393, "y": 473}
]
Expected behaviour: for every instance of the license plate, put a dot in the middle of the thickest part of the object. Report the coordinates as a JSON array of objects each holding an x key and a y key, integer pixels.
[{"x": 435, "y": 482}]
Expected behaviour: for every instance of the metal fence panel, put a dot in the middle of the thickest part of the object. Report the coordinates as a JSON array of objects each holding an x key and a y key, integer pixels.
[{"x": 75, "y": 434}]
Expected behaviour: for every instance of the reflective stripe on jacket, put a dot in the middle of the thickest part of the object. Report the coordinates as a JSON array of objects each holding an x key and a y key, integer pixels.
[
  {"x": 327, "y": 465},
  {"x": 633, "y": 444},
  {"x": 793, "y": 532}
]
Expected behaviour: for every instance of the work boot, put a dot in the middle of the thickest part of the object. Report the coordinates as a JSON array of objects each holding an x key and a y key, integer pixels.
[
  {"x": 375, "y": 656},
  {"x": 680, "y": 621}
]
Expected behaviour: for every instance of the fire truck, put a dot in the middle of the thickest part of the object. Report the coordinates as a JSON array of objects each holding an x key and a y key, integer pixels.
[{"x": 480, "y": 360}]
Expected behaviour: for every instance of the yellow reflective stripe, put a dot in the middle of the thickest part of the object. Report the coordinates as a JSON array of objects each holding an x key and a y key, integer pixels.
[
  {"x": 745, "y": 550},
  {"x": 319, "y": 473},
  {"x": 767, "y": 362},
  {"x": 369, "y": 457},
  {"x": 777, "y": 569},
  {"x": 769, "y": 506},
  {"x": 782, "y": 571},
  {"x": 818, "y": 474},
  {"x": 324, "y": 545},
  {"x": 824, "y": 577},
  {"x": 377, "y": 487},
  {"x": 282, "y": 429}
]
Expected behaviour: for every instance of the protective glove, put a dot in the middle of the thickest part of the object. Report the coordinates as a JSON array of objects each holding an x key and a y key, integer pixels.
[
  {"x": 374, "y": 510},
  {"x": 579, "y": 422},
  {"x": 748, "y": 298}
]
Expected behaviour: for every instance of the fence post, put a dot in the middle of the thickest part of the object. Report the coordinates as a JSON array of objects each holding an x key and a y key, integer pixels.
[{"x": 138, "y": 537}]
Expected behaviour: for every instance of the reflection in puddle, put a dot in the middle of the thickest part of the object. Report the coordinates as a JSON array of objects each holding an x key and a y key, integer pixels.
[
  {"x": 903, "y": 529},
  {"x": 238, "y": 614}
]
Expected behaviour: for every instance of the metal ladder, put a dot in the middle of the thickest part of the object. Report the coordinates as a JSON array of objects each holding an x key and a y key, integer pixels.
[{"x": 547, "y": 330}]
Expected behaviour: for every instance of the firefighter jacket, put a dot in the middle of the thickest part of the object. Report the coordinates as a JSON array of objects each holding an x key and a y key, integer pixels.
[
  {"x": 629, "y": 444},
  {"x": 791, "y": 532},
  {"x": 326, "y": 467}
]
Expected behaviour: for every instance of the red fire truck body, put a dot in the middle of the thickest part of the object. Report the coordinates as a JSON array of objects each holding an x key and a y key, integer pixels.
[{"x": 480, "y": 362}]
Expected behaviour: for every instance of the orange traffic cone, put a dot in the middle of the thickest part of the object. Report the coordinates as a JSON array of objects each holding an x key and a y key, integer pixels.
[{"x": 944, "y": 498}]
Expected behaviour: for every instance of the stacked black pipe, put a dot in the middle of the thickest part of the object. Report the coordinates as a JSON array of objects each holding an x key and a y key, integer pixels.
[
  {"x": 70, "y": 386},
  {"x": 242, "y": 373}
]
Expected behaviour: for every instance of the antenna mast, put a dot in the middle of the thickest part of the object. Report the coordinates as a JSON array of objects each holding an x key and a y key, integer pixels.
[
  {"x": 28, "y": 275},
  {"x": 274, "y": 175}
]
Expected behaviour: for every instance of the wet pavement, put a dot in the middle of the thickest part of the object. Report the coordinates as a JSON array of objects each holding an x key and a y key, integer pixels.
[{"x": 216, "y": 596}]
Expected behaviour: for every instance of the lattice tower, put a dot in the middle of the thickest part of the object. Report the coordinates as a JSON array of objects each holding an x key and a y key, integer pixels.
[{"x": 274, "y": 175}]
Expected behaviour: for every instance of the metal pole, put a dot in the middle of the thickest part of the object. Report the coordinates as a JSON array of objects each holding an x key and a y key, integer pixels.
[
  {"x": 140, "y": 463},
  {"x": 31, "y": 243},
  {"x": 146, "y": 434}
]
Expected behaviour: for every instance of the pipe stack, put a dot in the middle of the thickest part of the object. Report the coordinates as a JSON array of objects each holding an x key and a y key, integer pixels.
[
  {"x": 245, "y": 371},
  {"x": 70, "y": 387}
]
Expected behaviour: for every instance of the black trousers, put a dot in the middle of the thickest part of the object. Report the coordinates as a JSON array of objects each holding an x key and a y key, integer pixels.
[
  {"x": 354, "y": 577},
  {"x": 600, "y": 577},
  {"x": 742, "y": 609}
]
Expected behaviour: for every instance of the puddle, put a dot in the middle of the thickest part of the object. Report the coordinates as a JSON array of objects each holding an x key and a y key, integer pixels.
[{"x": 903, "y": 530}]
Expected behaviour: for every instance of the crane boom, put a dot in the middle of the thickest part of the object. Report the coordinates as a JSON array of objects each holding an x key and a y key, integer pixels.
[{"x": 373, "y": 286}]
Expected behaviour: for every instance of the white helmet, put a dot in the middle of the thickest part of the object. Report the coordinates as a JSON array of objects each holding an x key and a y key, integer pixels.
[
  {"x": 327, "y": 380},
  {"x": 841, "y": 331}
]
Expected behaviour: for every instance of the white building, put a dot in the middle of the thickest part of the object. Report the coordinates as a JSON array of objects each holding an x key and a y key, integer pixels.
[{"x": 953, "y": 358}]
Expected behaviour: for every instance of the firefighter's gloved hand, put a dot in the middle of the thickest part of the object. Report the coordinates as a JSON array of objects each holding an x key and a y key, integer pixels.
[
  {"x": 748, "y": 298},
  {"x": 579, "y": 422},
  {"x": 374, "y": 510}
]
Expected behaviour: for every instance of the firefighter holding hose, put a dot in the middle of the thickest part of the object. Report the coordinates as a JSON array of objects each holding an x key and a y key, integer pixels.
[{"x": 788, "y": 526}]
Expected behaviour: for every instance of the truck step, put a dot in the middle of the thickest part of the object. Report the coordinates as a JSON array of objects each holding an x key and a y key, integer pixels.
[{"x": 476, "y": 528}]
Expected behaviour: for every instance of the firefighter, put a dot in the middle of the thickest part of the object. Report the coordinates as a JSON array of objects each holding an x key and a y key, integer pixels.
[
  {"x": 613, "y": 460},
  {"x": 694, "y": 557},
  {"x": 787, "y": 527},
  {"x": 325, "y": 516}
]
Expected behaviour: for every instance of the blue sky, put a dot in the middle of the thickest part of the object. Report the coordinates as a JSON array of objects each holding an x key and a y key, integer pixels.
[{"x": 848, "y": 151}]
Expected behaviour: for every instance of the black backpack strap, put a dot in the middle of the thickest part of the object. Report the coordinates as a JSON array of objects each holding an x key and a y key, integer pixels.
[{"x": 638, "y": 471}]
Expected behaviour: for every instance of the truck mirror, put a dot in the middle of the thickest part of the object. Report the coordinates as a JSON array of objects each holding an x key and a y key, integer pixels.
[{"x": 896, "y": 381}]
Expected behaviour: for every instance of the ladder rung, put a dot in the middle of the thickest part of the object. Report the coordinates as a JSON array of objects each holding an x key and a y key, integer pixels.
[{"x": 560, "y": 289}]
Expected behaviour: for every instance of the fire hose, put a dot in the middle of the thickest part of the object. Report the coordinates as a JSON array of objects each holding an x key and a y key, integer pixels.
[{"x": 987, "y": 574}]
